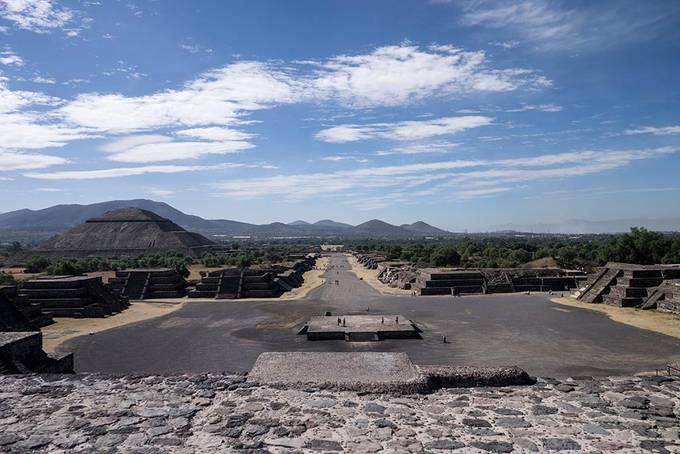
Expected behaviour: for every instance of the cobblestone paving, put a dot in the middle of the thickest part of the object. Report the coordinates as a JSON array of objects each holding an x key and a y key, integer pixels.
[{"x": 222, "y": 413}]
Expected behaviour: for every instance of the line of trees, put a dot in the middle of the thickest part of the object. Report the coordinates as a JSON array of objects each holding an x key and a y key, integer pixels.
[
  {"x": 638, "y": 246},
  {"x": 73, "y": 266}
]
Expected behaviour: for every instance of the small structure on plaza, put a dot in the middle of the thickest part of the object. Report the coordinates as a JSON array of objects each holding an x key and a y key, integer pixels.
[
  {"x": 126, "y": 232},
  {"x": 22, "y": 353},
  {"x": 148, "y": 283},
  {"x": 71, "y": 296},
  {"x": 360, "y": 328},
  {"x": 632, "y": 285}
]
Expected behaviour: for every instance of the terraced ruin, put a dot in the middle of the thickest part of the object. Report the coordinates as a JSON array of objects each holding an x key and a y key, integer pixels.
[{"x": 471, "y": 281}]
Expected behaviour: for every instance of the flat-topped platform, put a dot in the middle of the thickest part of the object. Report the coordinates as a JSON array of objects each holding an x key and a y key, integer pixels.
[
  {"x": 360, "y": 328},
  {"x": 374, "y": 372},
  {"x": 339, "y": 370}
]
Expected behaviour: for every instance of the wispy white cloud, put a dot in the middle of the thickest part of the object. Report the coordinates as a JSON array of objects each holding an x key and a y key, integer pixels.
[
  {"x": 511, "y": 44},
  {"x": 657, "y": 131},
  {"x": 420, "y": 148},
  {"x": 403, "y": 130},
  {"x": 14, "y": 160},
  {"x": 122, "y": 172},
  {"x": 157, "y": 148},
  {"x": 550, "y": 25},
  {"x": 39, "y": 16},
  {"x": 537, "y": 107},
  {"x": 9, "y": 58},
  {"x": 217, "y": 97},
  {"x": 215, "y": 133},
  {"x": 454, "y": 179},
  {"x": 160, "y": 192},
  {"x": 397, "y": 75},
  {"x": 208, "y": 115},
  {"x": 44, "y": 80}
]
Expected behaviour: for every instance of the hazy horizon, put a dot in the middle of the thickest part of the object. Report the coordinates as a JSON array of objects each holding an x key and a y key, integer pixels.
[{"x": 464, "y": 114}]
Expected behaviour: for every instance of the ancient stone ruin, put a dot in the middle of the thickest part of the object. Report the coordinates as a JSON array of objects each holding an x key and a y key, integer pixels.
[
  {"x": 668, "y": 297},
  {"x": 21, "y": 342},
  {"x": 397, "y": 274},
  {"x": 234, "y": 283},
  {"x": 126, "y": 232},
  {"x": 360, "y": 328},
  {"x": 631, "y": 285},
  {"x": 148, "y": 283},
  {"x": 22, "y": 353},
  {"x": 470, "y": 281},
  {"x": 431, "y": 281},
  {"x": 72, "y": 296},
  {"x": 31, "y": 311}
]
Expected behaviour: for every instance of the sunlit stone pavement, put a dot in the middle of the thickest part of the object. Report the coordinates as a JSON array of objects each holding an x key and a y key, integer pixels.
[{"x": 223, "y": 413}]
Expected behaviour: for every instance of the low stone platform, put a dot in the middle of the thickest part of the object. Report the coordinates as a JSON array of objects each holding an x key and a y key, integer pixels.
[
  {"x": 360, "y": 328},
  {"x": 367, "y": 371},
  {"x": 211, "y": 414}
]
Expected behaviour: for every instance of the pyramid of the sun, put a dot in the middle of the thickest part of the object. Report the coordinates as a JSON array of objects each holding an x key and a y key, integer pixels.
[{"x": 124, "y": 232}]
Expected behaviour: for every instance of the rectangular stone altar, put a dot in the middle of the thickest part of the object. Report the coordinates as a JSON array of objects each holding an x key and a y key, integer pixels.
[{"x": 360, "y": 328}]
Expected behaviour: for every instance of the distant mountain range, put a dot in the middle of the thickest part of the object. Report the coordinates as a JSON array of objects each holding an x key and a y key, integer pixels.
[
  {"x": 36, "y": 225},
  {"x": 580, "y": 226}
]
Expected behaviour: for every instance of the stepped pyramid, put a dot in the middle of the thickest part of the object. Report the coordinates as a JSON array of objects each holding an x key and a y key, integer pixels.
[{"x": 125, "y": 232}]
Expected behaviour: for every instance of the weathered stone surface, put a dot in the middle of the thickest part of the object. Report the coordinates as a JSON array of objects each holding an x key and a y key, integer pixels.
[{"x": 223, "y": 413}]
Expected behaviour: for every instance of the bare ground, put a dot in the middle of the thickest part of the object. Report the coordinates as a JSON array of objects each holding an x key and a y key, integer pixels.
[
  {"x": 651, "y": 320},
  {"x": 371, "y": 278},
  {"x": 66, "y": 329}
]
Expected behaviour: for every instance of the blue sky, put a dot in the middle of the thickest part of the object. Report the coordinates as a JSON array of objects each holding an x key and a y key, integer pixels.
[{"x": 466, "y": 114}]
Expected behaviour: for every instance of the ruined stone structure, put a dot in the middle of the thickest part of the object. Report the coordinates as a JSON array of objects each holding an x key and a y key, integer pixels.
[
  {"x": 397, "y": 274},
  {"x": 360, "y": 328},
  {"x": 72, "y": 296},
  {"x": 22, "y": 353},
  {"x": 370, "y": 261},
  {"x": 129, "y": 232},
  {"x": 221, "y": 284},
  {"x": 668, "y": 299},
  {"x": 11, "y": 318},
  {"x": 234, "y": 283},
  {"x": 631, "y": 285},
  {"x": 29, "y": 311},
  {"x": 461, "y": 281},
  {"x": 433, "y": 281},
  {"x": 148, "y": 283}
]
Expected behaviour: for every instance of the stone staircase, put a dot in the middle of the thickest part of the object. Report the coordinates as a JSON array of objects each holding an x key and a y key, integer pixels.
[
  {"x": 221, "y": 284},
  {"x": 155, "y": 283},
  {"x": 593, "y": 292}
]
